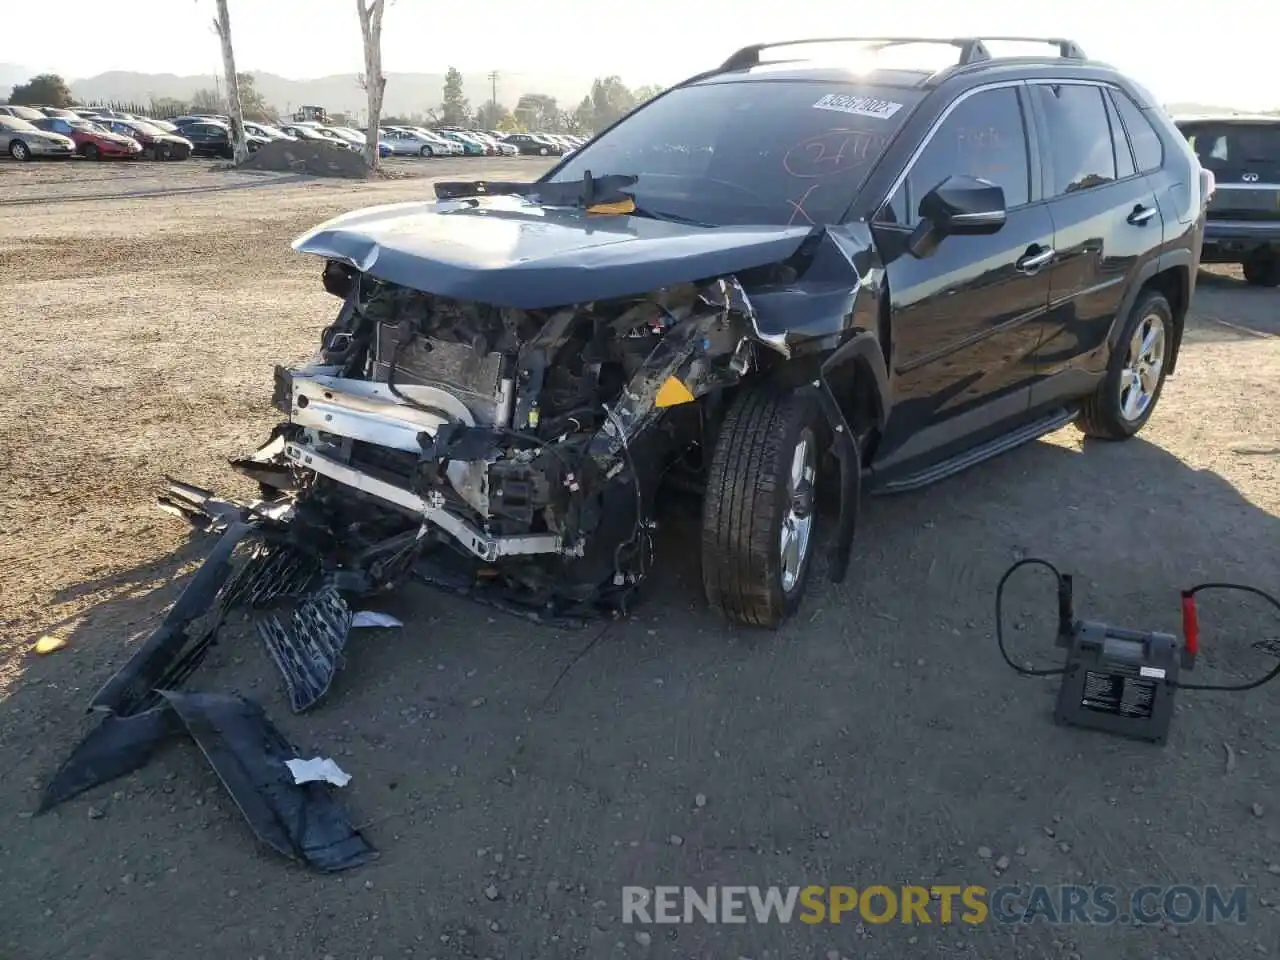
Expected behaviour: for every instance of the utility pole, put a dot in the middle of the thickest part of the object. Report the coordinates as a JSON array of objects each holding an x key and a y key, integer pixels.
[{"x": 493, "y": 86}]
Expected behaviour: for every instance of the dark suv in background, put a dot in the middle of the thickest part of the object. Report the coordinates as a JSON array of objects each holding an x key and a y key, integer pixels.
[{"x": 1243, "y": 154}]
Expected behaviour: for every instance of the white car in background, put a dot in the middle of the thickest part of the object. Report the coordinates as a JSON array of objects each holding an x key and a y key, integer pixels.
[
  {"x": 502, "y": 148},
  {"x": 439, "y": 146}
]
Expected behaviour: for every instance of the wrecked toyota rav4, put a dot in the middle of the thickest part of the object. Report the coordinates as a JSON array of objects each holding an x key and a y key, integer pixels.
[
  {"x": 778, "y": 284},
  {"x": 770, "y": 280}
]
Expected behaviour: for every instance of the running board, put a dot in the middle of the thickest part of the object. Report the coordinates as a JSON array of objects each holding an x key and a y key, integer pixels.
[{"x": 975, "y": 455}]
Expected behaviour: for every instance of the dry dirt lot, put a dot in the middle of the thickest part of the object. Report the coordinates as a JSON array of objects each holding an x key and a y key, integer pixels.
[{"x": 877, "y": 739}]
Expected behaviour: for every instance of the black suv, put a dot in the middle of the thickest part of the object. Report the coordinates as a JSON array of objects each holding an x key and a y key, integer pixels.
[
  {"x": 1243, "y": 154},
  {"x": 772, "y": 282}
]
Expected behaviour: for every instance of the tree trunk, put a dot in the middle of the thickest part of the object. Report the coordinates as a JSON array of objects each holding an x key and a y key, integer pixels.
[
  {"x": 374, "y": 82},
  {"x": 222, "y": 24}
]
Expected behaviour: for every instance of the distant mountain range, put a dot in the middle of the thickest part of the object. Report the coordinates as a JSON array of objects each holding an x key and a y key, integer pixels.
[{"x": 406, "y": 92}]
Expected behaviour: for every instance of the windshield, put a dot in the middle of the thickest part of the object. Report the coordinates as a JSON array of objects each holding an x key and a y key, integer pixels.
[
  {"x": 25, "y": 113},
  {"x": 777, "y": 152},
  {"x": 14, "y": 123},
  {"x": 145, "y": 129},
  {"x": 86, "y": 126},
  {"x": 269, "y": 130}
]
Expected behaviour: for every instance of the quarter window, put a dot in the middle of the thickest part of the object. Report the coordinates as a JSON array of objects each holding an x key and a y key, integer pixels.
[
  {"x": 1079, "y": 136},
  {"x": 984, "y": 136},
  {"x": 1147, "y": 146}
]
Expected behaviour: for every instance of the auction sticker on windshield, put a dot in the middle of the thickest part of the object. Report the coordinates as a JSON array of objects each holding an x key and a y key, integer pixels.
[{"x": 858, "y": 106}]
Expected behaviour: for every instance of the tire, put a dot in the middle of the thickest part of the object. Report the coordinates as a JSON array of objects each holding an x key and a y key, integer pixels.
[
  {"x": 426, "y": 153},
  {"x": 761, "y": 482},
  {"x": 19, "y": 150},
  {"x": 1139, "y": 362},
  {"x": 91, "y": 152},
  {"x": 1262, "y": 270},
  {"x": 542, "y": 151}
]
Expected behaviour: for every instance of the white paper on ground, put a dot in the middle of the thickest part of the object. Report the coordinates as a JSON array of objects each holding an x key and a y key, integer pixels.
[
  {"x": 317, "y": 768},
  {"x": 372, "y": 618}
]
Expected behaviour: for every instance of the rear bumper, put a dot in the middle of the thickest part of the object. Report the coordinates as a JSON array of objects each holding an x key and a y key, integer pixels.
[{"x": 1233, "y": 240}]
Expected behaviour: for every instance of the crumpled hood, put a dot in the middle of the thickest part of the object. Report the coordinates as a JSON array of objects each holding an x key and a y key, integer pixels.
[{"x": 510, "y": 252}]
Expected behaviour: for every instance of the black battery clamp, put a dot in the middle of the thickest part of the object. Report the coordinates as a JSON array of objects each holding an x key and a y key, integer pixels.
[{"x": 1119, "y": 679}]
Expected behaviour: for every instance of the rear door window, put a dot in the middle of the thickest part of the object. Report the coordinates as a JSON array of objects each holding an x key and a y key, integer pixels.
[
  {"x": 1235, "y": 151},
  {"x": 1080, "y": 149}
]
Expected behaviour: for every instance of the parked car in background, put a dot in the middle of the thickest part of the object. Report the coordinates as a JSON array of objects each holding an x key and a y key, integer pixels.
[
  {"x": 306, "y": 131},
  {"x": 30, "y": 114},
  {"x": 156, "y": 143},
  {"x": 212, "y": 139},
  {"x": 406, "y": 142},
  {"x": 59, "y": 112},
  {"x": 470, "y": 147},
  {"x": 495, "y": 146},
  {"x": 361, "y": 140},
  {"x": 530, "y": 144},
  {"x": 561, "y": 141},
  {"x": 442, "y": 145},
  {"x": 1243, "y": 154},
  {"x": 266, "y": 131},
  {"x": 23, "y": 140},
  {"x": 342, "y": 140},
  {"x": 93, "y": 141}
]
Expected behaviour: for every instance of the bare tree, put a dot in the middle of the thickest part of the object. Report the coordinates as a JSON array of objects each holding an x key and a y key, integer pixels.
[
  {"x": 375, "y": 84},
  {"x": 222, "y": 27}
]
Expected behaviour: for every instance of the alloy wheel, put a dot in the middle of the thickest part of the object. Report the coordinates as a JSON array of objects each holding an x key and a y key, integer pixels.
[
  {"x": 1140, "y": 378},
  {"x": 797, "y": 523}
]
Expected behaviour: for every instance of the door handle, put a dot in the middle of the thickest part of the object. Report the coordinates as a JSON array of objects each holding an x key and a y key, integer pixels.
[
  {"x": 1141, "y": 215},
  {"x": 1031, "y": 262}
]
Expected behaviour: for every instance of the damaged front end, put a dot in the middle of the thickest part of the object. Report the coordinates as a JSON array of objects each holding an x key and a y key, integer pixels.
[{"x": 520, "y": 448}]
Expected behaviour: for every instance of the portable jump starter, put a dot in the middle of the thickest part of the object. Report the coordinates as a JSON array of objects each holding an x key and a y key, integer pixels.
[{"x": 1116, "y": 679}]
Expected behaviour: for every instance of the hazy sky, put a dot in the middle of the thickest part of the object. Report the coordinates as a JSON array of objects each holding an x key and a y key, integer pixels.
[{"x": 1184, "y": 53}]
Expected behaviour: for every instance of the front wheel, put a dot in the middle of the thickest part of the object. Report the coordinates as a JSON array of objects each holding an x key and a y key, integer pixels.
[
  {"x": 19, "y": 150},
  {"x": 1262, "y": 270},
  {"x": 758, "y": 513},
  {"x": 1127, "y": 396},
  {"x": 91, "y": 152},
  {"x": 426, "y": 152}
]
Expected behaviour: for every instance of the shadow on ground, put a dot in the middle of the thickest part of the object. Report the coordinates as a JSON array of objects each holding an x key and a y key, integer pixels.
[
  {"x": 1229, "y": 309},
  {"x": 877, "y": 739}
]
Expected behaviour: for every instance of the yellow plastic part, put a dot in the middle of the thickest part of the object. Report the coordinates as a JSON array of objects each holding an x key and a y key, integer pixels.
[
  {"x": 621, "y": 208},
  {"x": 672, "y": 393}
]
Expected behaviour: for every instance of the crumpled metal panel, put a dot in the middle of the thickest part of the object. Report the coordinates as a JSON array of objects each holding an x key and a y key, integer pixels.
[
  {"x": 510, "y": 252},
  {"x": 309, "y": 651}
]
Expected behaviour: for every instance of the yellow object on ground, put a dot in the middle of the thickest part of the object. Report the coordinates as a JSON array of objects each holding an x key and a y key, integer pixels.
[{"x": 48, "y": 644}]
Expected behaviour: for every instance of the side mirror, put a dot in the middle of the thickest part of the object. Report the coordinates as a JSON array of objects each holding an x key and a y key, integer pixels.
[{"x": 958, "y": 206}]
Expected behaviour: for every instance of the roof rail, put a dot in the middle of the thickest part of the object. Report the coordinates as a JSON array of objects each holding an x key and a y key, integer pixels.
[{"x": 972, "y": 49}]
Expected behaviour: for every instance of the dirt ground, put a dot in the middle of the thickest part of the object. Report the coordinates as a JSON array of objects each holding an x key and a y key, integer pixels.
[{"x": 878, "y": 739}]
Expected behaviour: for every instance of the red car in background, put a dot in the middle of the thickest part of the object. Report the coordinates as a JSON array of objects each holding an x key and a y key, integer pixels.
[{"x": 92, "y": 141}]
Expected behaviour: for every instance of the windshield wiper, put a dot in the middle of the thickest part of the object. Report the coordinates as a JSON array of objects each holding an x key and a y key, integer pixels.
[{"x": 639, "y": 211}]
